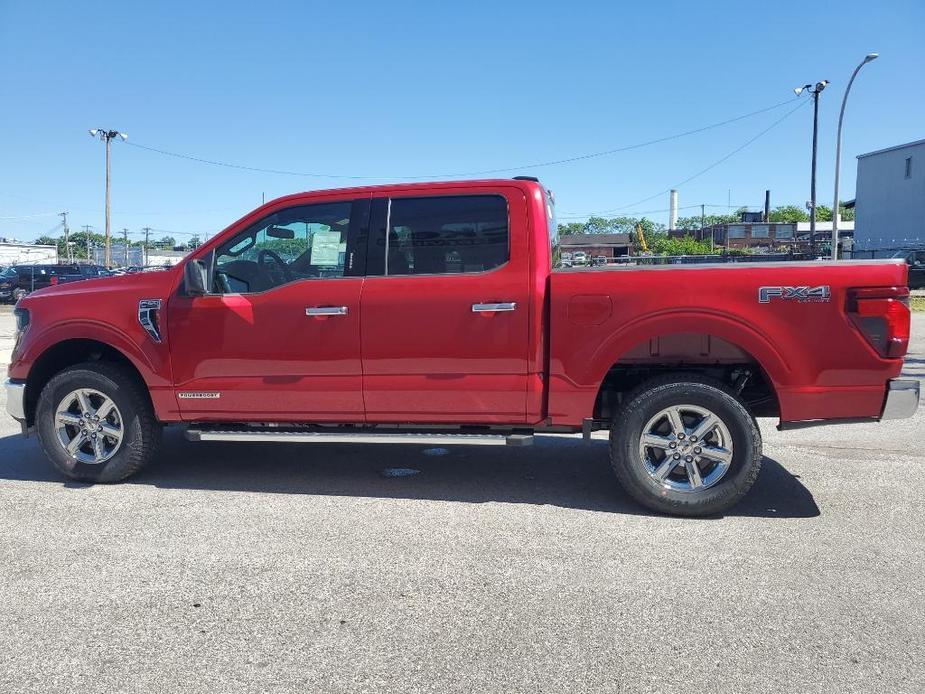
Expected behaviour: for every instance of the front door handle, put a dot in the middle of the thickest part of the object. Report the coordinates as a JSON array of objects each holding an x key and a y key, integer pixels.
[
  {"x": 326, "y": 311},
  {"x": 487, "y": 308}
]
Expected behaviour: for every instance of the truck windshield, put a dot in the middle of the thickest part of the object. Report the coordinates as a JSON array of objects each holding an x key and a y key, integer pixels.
[{"x": 553, "y": 230}]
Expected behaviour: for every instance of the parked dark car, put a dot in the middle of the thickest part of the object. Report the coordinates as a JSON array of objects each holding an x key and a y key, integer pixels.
[
  {"x": 10, "y": 290},
  {"x": 35, "y": 277},
  {"x": 916, "y": 260}
]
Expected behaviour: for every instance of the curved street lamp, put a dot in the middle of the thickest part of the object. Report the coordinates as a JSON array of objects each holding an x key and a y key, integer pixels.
[{"x": 835, "y": 207}]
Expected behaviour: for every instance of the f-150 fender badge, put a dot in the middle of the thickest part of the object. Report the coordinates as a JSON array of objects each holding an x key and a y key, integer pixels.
[
  {"x": 803, "y": 294},
  {"x": 199, "y": 396}
]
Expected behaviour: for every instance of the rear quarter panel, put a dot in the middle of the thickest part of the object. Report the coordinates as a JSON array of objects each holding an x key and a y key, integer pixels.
[{"x": 820, "y": 365}]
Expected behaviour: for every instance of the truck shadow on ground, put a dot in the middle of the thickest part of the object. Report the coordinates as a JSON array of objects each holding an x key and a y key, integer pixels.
[{"x": 562, "y": 472}]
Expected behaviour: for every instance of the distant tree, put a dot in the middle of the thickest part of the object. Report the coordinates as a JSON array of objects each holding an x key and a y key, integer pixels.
[
  {"x": 693, "y": 222},
  {"x": 789, "y": 214},
  {"x": 46, "y": 241},
  {"x": 571, "y": 228},
  {"x": 166, "y": 242},
  {"x": 193, "y": 243}
]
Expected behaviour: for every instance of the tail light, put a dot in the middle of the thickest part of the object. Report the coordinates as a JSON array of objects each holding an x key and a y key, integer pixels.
[
  {"x": 882, "y": 315},
  {"x": 54, "y": 279}
]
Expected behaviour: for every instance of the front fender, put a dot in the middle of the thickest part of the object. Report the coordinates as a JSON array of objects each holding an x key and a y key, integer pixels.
[{"x": 151, "y": 361}]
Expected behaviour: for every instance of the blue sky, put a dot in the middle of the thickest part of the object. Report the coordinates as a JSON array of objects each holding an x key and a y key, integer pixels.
[{"x": 395, "y": 90}]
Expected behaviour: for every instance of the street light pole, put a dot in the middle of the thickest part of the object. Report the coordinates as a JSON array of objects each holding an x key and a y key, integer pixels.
[
  {"x": 815, "y": 90},
  {"x": 835, "y": 207},
  {"x": 106, "y": 136}
]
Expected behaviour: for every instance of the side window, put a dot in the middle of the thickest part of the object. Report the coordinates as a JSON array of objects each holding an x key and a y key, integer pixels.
[
  {"x": 446, "y": 235},
  {"x": 298, "y": 243}
]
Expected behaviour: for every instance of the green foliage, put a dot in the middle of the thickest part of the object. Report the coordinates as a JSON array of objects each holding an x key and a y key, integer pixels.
[
  {"x": 693, "y": 222},
  {"x": 611, "y": 225},
  {"x": 571, "y": 228},
  {"x": 661, "y": 244},
  {"x": 788, "y": 214}
]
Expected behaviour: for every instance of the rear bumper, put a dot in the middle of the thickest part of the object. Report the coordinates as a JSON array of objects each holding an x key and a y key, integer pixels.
[
  {"x": 902, "y": 399},
  {"x": 15, "y": 399}
]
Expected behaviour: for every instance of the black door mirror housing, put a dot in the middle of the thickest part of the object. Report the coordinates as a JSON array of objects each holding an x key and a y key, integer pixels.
[{"x": 195, "y": 278}]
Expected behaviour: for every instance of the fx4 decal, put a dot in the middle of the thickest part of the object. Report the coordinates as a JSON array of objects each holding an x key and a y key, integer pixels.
[{"x": 803, "y": 295}]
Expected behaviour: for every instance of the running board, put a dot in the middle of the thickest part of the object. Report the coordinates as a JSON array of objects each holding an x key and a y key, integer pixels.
[{"x": 266, "y": 436}]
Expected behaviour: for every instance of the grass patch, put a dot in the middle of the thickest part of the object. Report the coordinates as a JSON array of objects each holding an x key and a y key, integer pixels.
[{"x": 917, "y": 303}]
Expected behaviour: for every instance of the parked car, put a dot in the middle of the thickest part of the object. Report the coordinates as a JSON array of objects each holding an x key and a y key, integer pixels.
[
  {"x": 580, "y": 258},
  {"x": 599, "y": 260},
  {"x": 427, "y": 313},
  {"x": 10, "y": 290},
  {"x": 915, "y": 258},
  {"x": 35, "y": 277}
]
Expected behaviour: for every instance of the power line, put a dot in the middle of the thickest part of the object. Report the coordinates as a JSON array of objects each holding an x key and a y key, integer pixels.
[
  {"x": 708, "y": 168},
  {"x": 507, "y": 169},
  {"x": 31, "y": 216}
]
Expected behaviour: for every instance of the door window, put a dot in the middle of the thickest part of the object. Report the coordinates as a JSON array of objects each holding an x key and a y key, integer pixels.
[
  {"x": 297, "y": 243},
  {"x": 445, "y": 235}
]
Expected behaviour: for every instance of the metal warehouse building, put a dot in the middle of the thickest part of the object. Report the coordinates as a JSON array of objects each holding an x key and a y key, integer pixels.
[{"x": 890, "y": 198}]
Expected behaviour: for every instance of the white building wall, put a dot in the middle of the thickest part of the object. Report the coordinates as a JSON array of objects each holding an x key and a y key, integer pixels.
[
  {"x": 27, "y": 254},
  {"x": 890, "y": 208}
]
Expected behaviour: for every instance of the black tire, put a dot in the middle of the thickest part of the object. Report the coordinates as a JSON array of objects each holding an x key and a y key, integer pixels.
[
  {"x": 141, "y": 432},
  {"x": 661, "y": 393}
]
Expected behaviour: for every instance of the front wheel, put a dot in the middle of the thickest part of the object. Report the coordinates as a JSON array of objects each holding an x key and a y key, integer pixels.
[
  {"x": 685, "y": 446},
  {"x": 96, "y": 424}
]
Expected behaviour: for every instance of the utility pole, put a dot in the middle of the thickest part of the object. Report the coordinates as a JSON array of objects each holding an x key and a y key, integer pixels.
[
  {"x": 125, "y": 247},
  {"x": 86, "y": 229},
  {"x": 67, "y": 243},
  {"x": 107, "y": 136},
  {"x": 147, "y": 231},
  {"x": 767, "y": 206},
  {"x": 815, "y": 91}
]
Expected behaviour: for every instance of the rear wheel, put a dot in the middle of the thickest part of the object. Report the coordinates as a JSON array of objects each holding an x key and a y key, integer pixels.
[
  {"x": 96, "y": 424},
  {"x": 685, "y": 446}
]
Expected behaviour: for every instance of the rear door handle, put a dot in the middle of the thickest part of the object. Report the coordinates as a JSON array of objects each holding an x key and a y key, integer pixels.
[
  {"x": 486, "y": 308},
  {"x": 326, "y": 311}
]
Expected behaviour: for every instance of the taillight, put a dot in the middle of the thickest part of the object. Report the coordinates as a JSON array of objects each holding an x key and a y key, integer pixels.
[
  {"x": 882, "y": 315},
  {"x": 54, "y": 279}
]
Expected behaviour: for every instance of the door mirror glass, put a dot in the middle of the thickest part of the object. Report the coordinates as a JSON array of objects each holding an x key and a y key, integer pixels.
[{"x": 195, "y": 278}]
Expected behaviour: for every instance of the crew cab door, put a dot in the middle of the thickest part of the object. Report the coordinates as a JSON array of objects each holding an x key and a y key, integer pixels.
[
  {"x": 279, "y": 337},
  {"x": 445, "y": 311}
]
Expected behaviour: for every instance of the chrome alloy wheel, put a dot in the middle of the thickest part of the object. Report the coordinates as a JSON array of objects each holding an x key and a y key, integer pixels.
[
  {"x": 685, "y": 448},
  {"x": 89, "y": 426}
]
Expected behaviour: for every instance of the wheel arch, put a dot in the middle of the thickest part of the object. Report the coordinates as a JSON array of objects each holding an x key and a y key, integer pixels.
[
  {"x": 709, "y": 344},
  {"x": 71, "y": 352}
]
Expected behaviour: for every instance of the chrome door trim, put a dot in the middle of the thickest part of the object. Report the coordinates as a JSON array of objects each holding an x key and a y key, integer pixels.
[
  {"x": 326, "y": 311},
  {"x": 496, "y": 307}
]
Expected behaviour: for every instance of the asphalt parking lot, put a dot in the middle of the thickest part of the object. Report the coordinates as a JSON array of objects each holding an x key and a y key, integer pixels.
[{"x": 231, "y": 567}]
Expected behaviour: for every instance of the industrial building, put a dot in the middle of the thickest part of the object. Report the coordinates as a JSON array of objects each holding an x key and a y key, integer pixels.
[{"x": 890, "y": 198}]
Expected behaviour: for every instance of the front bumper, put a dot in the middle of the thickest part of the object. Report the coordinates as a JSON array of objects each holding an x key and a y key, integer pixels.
[
  {"x": 16, "y": 400},
  {"x": 902, "y": 398}
]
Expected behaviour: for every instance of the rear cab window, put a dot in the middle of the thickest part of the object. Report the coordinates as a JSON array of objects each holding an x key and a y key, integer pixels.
[{"x": 441, "y": 235}]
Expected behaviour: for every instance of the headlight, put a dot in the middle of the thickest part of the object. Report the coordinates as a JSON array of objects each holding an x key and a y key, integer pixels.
[{"x": 4, "y": 285}]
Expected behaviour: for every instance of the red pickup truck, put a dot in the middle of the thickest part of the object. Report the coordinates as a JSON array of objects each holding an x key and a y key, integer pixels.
[{"x": 438, "y": 312}]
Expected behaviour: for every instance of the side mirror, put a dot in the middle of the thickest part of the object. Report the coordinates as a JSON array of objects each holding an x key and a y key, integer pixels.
[{"x": 195, "y": 278}]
